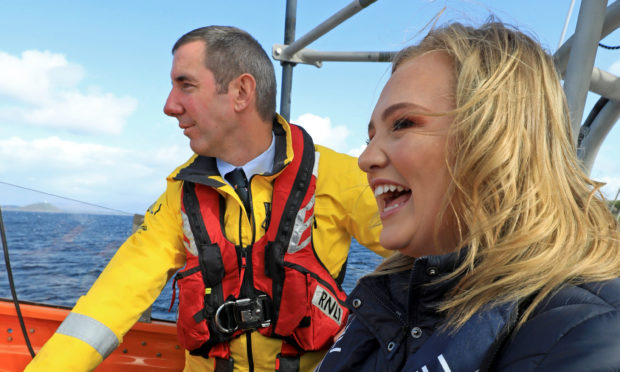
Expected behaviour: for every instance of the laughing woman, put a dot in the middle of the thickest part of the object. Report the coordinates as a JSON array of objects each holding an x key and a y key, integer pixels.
[{"x": 507, "y": 259}]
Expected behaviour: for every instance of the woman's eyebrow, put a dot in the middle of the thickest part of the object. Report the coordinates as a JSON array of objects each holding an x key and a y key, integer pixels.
[{"x": 398, "y": 106}]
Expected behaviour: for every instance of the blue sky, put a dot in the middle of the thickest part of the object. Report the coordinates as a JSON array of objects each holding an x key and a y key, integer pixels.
[{"x": 83, "y": 84}]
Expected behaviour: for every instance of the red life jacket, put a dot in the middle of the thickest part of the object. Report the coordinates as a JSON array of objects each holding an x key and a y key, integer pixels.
[{"x": 276, "y": 286}]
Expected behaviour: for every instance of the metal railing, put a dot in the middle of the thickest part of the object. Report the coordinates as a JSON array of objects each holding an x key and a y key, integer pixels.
[{"x": 575, "y": 61}]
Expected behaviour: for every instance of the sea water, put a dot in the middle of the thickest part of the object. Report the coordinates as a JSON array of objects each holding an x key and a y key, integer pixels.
[{"x": 56, "y": 257}]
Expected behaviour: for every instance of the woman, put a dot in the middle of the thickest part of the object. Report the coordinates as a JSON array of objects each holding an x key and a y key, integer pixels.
[{"x": 471, "y": 160}]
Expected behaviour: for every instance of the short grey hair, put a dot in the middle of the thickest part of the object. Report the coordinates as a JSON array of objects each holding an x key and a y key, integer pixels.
[{"x": 231, "y": 52}]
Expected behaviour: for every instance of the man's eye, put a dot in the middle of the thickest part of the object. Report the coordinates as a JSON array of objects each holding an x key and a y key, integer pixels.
[{"x": 402, "y": 124}]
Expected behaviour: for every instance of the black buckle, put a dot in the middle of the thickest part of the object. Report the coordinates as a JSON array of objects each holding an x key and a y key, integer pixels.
[{"x": 243, "y": 314}]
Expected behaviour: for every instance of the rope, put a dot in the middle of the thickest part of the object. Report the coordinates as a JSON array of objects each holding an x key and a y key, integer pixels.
[
  {"x": 9, "y": 272},
  {"x": 66, "y": 198},
  {"x": 609, "y": 47}
]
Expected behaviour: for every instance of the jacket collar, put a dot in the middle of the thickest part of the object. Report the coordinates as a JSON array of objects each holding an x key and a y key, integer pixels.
[
  {"x": 203, "y": 169},
  {"x": 387, "y": 312}
]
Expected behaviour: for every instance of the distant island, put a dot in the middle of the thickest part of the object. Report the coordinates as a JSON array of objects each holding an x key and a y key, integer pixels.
[
  {"x": 76, "y": 208},
  {"x": 36, "y": 207}
]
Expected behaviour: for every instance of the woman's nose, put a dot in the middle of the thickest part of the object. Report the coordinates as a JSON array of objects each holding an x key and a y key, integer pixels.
[{"x": 372, "y": 157}]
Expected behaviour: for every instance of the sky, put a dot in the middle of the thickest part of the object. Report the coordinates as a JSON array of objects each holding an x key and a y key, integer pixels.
[{"x": 83, "y": 84}]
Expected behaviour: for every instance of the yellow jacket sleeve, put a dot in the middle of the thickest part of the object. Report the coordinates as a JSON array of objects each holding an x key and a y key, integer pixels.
[
  {"x": 343, "y": 202},
  {"x": 128, "y": 285}
]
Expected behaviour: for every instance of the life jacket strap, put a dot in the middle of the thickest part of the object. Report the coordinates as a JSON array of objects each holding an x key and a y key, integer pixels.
[
  {"x": 224, "y": 364},
  {"x": 288, "y": 358},
  {"x": 287, "y": 364},
  {"x": 178, "y": 276},
  {"x": 222, "y": 361}
]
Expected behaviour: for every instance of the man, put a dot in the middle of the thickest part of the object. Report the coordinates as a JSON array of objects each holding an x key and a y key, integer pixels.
[{"x": 257, "y": 291}]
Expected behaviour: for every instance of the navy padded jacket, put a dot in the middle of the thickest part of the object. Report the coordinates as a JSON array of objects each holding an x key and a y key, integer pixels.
[
  {"x": 394, "y": 327},
  {"x": 577, "y": 329}
]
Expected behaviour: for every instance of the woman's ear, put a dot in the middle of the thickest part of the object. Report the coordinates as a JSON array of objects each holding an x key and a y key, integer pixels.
[{"x": 243, "y": 90}]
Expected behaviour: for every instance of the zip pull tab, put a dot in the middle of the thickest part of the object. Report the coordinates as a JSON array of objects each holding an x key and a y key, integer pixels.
[
  {"x": 244, "y": 254},
  {"x": 265, "y": 224},
  {"x": 244, "y": 262}
]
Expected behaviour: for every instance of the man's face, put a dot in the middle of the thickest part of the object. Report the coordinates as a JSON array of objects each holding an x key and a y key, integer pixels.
[{"x": 203, "y": 113}]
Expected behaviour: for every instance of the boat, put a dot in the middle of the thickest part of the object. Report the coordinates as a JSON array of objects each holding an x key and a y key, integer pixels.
[{"x": 148, "y": 346}]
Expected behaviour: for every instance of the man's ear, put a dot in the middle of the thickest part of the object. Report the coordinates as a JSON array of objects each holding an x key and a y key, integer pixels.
[{"x": 244, "y": 91}]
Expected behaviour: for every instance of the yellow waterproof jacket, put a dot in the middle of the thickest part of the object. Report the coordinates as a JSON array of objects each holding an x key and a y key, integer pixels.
[{"x": 134, "y": 277}]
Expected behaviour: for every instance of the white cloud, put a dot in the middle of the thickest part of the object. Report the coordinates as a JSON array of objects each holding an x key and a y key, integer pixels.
[
  {"x": 357, "y": 151},
  {"x": 32, "y": 77},
  {"x": 615, "y": 68},
  {"x": 323, "y": 132},
  {"x": 120, "y": 178},
  {"x": 44, "y": 89}
]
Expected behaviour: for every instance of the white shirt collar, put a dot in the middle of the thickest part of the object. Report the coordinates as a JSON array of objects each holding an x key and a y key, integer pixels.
[{"x": 263, "y": 163}]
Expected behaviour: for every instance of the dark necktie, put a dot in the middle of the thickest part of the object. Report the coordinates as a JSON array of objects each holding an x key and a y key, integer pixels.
[{"x": 240, "y": 184}]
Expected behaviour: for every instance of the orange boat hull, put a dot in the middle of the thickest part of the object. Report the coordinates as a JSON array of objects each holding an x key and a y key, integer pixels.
[{"x": 146, "y": 347}]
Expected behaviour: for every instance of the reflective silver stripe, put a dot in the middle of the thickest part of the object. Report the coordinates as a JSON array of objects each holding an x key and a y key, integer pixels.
[
  {"x": 315, "y": 169},
  {"x": 91, "y": 331},
  {"x": 300, "y": 227},
  {"x": 187, "y": 230}
]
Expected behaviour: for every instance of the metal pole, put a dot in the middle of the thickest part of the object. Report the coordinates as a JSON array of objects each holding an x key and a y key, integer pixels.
[
  {"x": 287, "y": 67},
  {"x": 320, "y": 30},
  {"x": 599, "y": 129},
  {"x": 581, "y": 59},
  {"x": 616, "y": 204},
  {"x": 313, "y": 55},
  {"x": 611, "y": 23},
  {"x": 605, "y": 84}
]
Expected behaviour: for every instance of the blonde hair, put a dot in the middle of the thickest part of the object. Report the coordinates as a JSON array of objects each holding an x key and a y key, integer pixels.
[{"x": 531, "y": 218}]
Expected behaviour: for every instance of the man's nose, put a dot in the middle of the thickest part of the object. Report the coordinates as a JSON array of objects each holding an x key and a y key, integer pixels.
[{"x": 172, "y": 107}]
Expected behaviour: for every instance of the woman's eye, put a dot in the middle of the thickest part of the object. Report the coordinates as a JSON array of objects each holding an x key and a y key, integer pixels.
[{"x": 402, "y": 123}]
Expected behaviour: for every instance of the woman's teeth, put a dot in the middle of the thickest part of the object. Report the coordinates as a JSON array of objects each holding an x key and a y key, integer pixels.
[
  {"x": 391, "y": 196},
  {"x": 382, "y": 189},
  {"x": 387, "y": 209}
]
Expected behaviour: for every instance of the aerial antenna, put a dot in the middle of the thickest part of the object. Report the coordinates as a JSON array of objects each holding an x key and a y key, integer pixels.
[{"x": 570, "y": 12}]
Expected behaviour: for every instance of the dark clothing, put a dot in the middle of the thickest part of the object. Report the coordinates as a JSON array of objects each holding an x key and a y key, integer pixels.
[
  {"x": 395, "y": 327},
  {"x": 577, "y": 329}
]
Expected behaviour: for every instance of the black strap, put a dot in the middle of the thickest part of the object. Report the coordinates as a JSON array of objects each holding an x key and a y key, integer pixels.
[
  {"x": 224, "y": 365},
  {"x": 209, "y": 254},
  {"x": 182, "y": 274},
  {"x": 287, "y": 363},
  {"x": 192, "y": 210},
  {"x": 275, "y": 250},
  {"x": 298, "y": 191}
]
